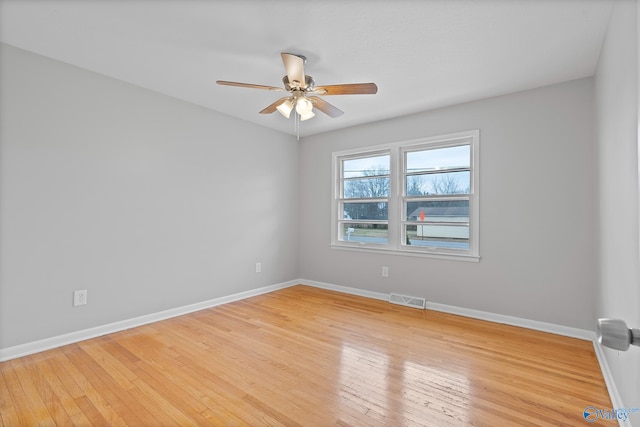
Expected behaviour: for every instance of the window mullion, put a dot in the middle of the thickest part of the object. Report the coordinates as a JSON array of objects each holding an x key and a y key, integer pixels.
[{"x": 395, "y": 203}]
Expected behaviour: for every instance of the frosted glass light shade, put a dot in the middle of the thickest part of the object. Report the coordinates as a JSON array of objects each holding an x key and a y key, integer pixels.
[
  {"x": 306, "y": 116},
  {"x": 285, "y": 108},
  {"x": 303, "y": 106}
]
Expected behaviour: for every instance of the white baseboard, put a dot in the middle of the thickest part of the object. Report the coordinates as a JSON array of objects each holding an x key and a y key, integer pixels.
[
  {"x": 466, "y": 312},
  {"x": 514, "y": 321},
  {"x": 73, "y": 337},
  {"x": 614, "y": 395},
  {"x": 345, "y": 289}
]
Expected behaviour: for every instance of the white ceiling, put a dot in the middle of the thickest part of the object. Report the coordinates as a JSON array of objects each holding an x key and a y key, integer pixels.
[{"x": 421, "y": 54}]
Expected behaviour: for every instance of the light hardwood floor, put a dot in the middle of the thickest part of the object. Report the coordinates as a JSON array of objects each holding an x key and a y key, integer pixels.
[{"x": 306, "y": 356}]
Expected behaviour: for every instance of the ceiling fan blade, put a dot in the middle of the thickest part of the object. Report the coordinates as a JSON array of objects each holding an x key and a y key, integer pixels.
[
  {"x": 325, "y": 107},
  {"x": 271, "y": 108},
  {"x": 294, "y": 65},
  {"x": 347, "y": 89},
  {"x": 249, "y": 85}
]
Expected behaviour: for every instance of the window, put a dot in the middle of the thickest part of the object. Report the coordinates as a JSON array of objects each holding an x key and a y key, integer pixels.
[{"x": 416, "y": 198}]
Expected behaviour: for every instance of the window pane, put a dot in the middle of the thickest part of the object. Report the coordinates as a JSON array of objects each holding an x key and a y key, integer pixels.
[
  {"x": 371, "y": 211},
  {"x": 366, "y": 233},
  {"x": 366, "y": 188},
  {"x": 365, "y": 166},
  {"x": 438, "y": 211},
  {"x": 438, "y": 183},
  {"x": 438, "y": 158},
  {"x": 438, "y": 236}
]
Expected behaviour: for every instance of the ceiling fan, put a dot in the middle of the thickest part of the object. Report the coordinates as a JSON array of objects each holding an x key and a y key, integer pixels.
[{"x": 303, "y": 91}]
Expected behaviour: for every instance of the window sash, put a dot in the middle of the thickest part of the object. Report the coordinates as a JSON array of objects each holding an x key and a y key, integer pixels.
[
  {"x": 455, "y": 228},
  {"x": 343, "y": 200}
]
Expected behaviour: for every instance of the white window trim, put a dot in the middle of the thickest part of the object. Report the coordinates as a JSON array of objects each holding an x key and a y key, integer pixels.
[{"x": 396, "y": 151}]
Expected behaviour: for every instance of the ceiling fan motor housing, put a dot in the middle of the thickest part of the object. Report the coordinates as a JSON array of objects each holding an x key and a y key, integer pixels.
[{"x": 310, "y": 83}]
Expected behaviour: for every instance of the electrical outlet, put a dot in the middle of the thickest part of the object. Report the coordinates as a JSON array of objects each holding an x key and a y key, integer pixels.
[
  {"x": 258, "y": 267},
  {"x": 385, "y": 271},
  {"x": 79, "y": 297}
]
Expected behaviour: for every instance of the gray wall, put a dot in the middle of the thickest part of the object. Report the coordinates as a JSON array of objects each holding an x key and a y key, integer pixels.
[
  {"x": 618, "y": 290},
  {"x": 147, "y": 202},
  {"x": 537, "y": 239}
]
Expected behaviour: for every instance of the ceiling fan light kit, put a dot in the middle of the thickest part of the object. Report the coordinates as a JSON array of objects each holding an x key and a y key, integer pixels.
[{"x": 303, "y": 96}]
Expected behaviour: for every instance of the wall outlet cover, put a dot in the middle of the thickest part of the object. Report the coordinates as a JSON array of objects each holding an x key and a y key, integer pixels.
[{"x": 79, "y": 297}]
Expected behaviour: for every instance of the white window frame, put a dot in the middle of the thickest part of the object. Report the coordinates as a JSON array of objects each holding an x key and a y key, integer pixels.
[{"x": 397, "y": 197}]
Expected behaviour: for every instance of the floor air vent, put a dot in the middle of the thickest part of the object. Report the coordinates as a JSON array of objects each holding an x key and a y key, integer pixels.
[{"x": 414, "y": 302}]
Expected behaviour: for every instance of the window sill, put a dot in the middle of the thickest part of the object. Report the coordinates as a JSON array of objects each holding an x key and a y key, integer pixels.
[{"x": 419, "y": 254}]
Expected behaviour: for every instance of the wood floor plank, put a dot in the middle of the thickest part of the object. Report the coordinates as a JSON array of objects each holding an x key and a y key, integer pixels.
[
  {"x": 223, "y": 400},
  {"x": 8, "y": 411},
  {"x": 101, "y": 352},
  {"x": 51, "y": 398},
  {"x": 58, "y": 390},
  {"x": 29, "y": 403},
  {"x": 111, "y": 401},
  {"x": 306, "y": 356},
  {"x": 92, "y": 413}
]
